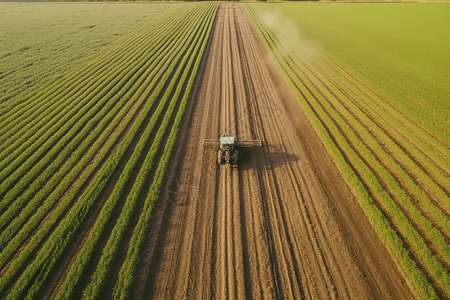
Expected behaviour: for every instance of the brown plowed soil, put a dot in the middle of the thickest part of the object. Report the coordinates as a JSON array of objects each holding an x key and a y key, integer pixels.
[{"x": 282, "y": 224}]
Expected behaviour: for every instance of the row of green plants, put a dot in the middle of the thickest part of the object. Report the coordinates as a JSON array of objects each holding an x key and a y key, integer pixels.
[
  {"x": 20, "y": 123},
  {"x": 421, "y": 155},
  {"x": 158, "y": 64},
  {"x": 70, "y": 112},
  {"x": 385, "y": 46},
  {"x": 128, "y": 270},
  {"x": 389, "y": 174},
  {"x": 53, "y": 39},
  {"x": 105, "y": 61},
  {"x": 36, "y": 191},
  {"x": 115, "y": 238},
  {"x": 352, "y": 140},
  {"x": 52, "y": 249},
  {"x": 402, "y": 168},
  {"x": 67, "y": 125},
  {"x": 123, "y": 128},
  {"x": 390, "y": 167},
  {"x": 105, "y": 262},
  {"x": 39, "y": 139},
  {"x": 37, "y": 282}
]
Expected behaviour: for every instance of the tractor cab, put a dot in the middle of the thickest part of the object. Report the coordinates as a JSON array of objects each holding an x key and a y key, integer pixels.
[
  {"x": 227, "y": 143},
  {"x": 229, "y": 148},
  {"x": 227, "y": 153}
]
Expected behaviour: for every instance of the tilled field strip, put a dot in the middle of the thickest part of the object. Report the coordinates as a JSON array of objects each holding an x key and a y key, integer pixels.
[{"x": 282, "y": 224}]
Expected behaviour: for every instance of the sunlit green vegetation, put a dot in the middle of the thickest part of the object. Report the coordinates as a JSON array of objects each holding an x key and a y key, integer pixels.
[
  {"x": 87, "y": 152},
  {"x": 395, "y": 162},
  {"x": 40, "y": 41},
  {"x": 401, "y": 50}
]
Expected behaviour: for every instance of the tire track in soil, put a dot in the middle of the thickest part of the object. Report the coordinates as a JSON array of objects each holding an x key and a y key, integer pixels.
[{"x": 280, "y": 225}]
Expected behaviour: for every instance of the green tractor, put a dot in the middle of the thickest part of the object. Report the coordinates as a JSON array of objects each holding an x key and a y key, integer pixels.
[
  {"x": 229, "y": 148},
  {"x": 227, "y": 154}
]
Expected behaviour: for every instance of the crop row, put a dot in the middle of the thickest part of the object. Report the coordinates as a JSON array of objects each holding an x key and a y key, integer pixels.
[
  {"x": 128, "y": 269},
  {"x": 159, "y": 67},
  {"x": 386, "y": 49},
  {"x": 125, "y": 98},
  {"x": 49, "y": 187},
  {"x": 24, "y": 128},
  {"x": 152, "y": 65},
  {"x": 115, "y": 238},
  {"x": 106, "y": 62},
  {"x": 397, "y": 181},
  {"x": 123, "y": 127},
  {"x": 54, "y": 39}
]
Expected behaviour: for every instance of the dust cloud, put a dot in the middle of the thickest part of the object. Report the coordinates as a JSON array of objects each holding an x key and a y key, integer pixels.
[{"x": 289, "y": 36}]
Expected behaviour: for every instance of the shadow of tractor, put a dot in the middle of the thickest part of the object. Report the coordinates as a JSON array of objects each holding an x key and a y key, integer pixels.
[{"x": 266, "y": 157}]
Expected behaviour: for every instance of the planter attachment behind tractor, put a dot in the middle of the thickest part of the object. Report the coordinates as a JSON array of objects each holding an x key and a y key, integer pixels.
[{"x": 229, "y": 148}]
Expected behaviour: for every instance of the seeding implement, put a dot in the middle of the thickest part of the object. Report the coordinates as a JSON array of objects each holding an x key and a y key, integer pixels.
[{"x": 230, "y": 147}]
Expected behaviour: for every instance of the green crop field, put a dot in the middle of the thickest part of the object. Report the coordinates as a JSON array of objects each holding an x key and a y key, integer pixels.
[
  {"x": 372, "y": 80},
  {"x": 83, "y": 155},
  {"x": 401, "y": 50},
  {"x": 39, "y": 42},
  {"x": 92, "y": 97}
]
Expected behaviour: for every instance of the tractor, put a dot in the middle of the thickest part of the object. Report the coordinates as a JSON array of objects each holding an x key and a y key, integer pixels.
[{"x": 229, "y": 148}]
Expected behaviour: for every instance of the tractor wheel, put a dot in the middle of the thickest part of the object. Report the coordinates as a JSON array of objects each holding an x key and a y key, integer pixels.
[
  {"x": 236, "y": 156},
  {"x": 219, "y": 157}
]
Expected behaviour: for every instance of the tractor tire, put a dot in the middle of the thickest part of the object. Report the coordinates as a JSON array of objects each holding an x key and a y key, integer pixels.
[
  {"x": 219, "y": 157},
  {"x": 235, "y": 160}
]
